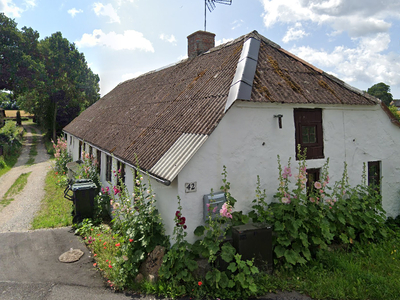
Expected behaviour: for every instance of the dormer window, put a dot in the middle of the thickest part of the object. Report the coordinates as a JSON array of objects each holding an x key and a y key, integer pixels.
[{"x": 308, "y": 125}]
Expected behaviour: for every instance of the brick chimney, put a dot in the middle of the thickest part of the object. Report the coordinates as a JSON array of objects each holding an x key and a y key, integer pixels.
[{"x": 200, "y": 42}]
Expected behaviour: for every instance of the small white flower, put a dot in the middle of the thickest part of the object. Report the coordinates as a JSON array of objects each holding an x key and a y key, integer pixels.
[{"x": 141, "y": 178}]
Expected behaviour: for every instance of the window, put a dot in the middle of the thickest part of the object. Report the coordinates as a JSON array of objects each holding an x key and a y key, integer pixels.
[
  {"x": 312, "y": 176},
  {"x": 121, "y": 172},
  {"x": 108, "y": 167},
  {"x": 374, "y": 174},
  {"x": 98, "y": 158},
  {"x": 80, "y": 150},
  {"x": 308, "y": 126}
]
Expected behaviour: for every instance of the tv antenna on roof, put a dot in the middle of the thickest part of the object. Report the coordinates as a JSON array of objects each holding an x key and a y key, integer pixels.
[{"x": 210, "y": 5}]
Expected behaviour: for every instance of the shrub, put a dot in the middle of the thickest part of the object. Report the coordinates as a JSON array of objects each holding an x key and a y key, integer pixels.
[
  {"x": 18, "y": 118},
  {"x": 2, "y": 163},
  {"x": 88, "y": 169},
  {"x": 138, "y": 223},
  {"x": 307, "y": 221},
  {"x": 61, "y": 156}
]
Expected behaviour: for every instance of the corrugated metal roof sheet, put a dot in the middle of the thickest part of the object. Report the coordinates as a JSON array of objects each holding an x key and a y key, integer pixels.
[
  {"x": 173, "y": 161},
  {"x": 161, "y": 118}
]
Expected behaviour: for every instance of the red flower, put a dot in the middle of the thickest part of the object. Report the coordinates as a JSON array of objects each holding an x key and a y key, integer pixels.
[
  {"x": 94, "y": 264},
  {"x": 199, "y": 283},
  {"x": 177, "y": 214},
  {"x": 110, "y": 266},
  {"x": 118, "y": 244},
  {"x": 130, "y": 240}
]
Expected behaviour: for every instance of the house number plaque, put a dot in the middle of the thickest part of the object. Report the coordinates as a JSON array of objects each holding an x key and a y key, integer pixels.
[{"x": 191, "y": 187}]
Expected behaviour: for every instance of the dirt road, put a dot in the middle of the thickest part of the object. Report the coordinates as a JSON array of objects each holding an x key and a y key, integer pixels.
[{"x": 18, "y": 215}]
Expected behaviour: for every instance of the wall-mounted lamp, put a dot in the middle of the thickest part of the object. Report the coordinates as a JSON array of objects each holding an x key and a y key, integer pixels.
[{"x": 279, "y": 120}]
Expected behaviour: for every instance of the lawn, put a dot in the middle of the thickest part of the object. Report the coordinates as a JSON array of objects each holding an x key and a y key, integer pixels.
[{"x": 55, "y": 210}]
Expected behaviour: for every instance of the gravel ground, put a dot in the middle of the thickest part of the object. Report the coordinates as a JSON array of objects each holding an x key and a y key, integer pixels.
[{"x": 18, "y": 215}]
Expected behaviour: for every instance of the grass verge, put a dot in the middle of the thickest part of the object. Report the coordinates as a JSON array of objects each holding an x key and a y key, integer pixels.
[
  {"x": 15, "y": 189},
  {"x": 55, "y": 210}
]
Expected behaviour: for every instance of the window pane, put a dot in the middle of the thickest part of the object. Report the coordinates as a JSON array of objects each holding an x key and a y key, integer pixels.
[{"x": 309, "y": 134}]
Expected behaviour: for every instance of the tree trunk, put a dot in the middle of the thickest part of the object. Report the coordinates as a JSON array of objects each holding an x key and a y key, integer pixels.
[{"x": 54, "y": 123}]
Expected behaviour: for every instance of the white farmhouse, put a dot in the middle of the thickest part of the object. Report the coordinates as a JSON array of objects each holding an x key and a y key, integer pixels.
[{"x": 240, "y": 105}]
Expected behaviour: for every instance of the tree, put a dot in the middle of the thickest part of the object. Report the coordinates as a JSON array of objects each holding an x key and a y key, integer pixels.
[
  {"x": 18, "y": 118},
  {"x": 49, "y": 78},
  {"x": 19, "y": 56},
  {"x": 382, "y": 92},
  {"x": 70, "y": 86}
]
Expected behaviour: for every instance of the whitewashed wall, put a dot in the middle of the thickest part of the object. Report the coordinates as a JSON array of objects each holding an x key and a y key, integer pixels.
[
  {"x": 248, "y": 140},
  {"x": 354, "y": 135}
]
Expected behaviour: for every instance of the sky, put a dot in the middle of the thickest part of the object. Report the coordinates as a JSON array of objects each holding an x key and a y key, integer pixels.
[{"x": 357, "y": 41}]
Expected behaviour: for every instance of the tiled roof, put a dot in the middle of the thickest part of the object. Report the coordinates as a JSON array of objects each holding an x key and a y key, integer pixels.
[{"x": 161, "y": 118}]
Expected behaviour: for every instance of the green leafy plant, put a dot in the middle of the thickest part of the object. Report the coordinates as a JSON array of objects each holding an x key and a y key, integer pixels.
[
  {"x": 137, "y": 220},
  {"x": 305, "y": 221},
  {"x": 179, "y": 262},
  {"x": 61, "y": 156},
  {"x": 230, "y": 277},
  {"x": 88, "y": 169}
]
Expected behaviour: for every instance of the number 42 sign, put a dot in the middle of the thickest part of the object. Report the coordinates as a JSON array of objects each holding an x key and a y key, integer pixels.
[{"x": 190, "y": 187}]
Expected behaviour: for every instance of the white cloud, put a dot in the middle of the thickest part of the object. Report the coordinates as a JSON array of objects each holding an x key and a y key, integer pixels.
[
  {"x": 237, "y": 24},
  {"x": 364, "y": 63},
  {"x": 10, "y": 9},
  {"x": 30, "y": 3},
  {"x": 169, "y": 38},
  {"x": 294, "y": 33},
  {"x": 120, "y": 2},
  {"x": 358, "y": 18},
  {"x": 74, "y": 11},
  {"x": 106, "y": 10},
  {"x": 129, "y": 40}
]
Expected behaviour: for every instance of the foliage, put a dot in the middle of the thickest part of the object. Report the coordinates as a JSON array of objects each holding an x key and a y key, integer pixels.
[
  {"x": 368, "y": 271},
  {"x": 18, "y": 118},
  {"x": 3, "y": 164},
  {"x": 88, "y": 169},
  {"x": 230, "y": 277},
  {"x": 179, "y": 262},
  {"x": 382, "y": 92},
  {"x": 49, "y": 78},
  {"x": 61, "y": 156},
  {"x": 135, "y": 219},
  {"x": 307, "y": 221},
  {"x": 10, "y": 141},
  {"x": 395, "y": 111},
  {"x": 55, "y": 210},
  {"x": 102, "y": 206}
]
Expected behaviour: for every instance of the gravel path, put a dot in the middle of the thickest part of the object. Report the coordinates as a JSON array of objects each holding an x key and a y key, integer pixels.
[{"x": 18, "y": 215}]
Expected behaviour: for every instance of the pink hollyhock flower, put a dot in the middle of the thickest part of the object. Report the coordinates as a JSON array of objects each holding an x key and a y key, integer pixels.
[
  {"x": 226, "y": 210},
  {"x": 317, "y": 185},
  {"x": 286, "y": 172},
  {"x": 285, "y": 200},
  {"x": 116, "y": 190}
]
